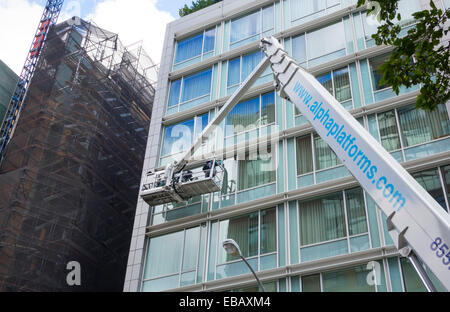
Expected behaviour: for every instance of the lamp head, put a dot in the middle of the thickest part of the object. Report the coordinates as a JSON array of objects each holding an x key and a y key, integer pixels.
[{"x": 231, "y": 247}]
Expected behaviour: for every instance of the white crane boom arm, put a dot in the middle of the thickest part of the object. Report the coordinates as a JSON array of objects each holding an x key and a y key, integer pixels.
[{"x": 416, "y": 222}]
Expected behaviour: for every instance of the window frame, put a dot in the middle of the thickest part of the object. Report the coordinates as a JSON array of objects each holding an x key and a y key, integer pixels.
[
  {"x": 347, "y": 236},
  {"x": 180, "y": 95},
  {"x": 219, "y": 248},
  {"x": 295, "y": 19},
  {"x": 260, "y": 125},
  {"x": 181, "y": 271},
  {"x": 261, "y": 25},
  {"x": 203, "y": 53},
  {"x": 306, "y": 34},
  {"x": 195, "y": 135}
]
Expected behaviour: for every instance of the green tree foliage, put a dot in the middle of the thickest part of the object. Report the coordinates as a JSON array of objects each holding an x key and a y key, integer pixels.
[
  {"x": 420, "y": 56},
  {"x": 195, "y": 6}
]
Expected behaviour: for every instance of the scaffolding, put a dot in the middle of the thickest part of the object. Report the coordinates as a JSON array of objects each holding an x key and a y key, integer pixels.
[{"x": 70, "y": 178}]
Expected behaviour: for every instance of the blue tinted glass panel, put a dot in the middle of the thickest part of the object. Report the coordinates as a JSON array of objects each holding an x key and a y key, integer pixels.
[
  {"x": 181, "y": 134},
  {"x": 189, "y": 48},
  {"x": 299, "y": 49},
  {"x": 197, "y": 85},
  {"x": 210, "y": 39},
  {"x": 245, "y": 27},
  {"x": 249, "y": 62},
  {"x": 234, "y": 71},
  {"x": 174, "y": 96}
]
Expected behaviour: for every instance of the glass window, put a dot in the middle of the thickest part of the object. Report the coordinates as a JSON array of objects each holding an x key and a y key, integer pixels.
[
  {"x": 164, "y": 255},
  {"x": 252, "y": 173},
  {"x": 389, "y": 131},
  {"x": 245, "y": 27},
  {"x": 249, "y": 63},
  {"x": 327, "y": 82},
  {"x": 269, "y": 287},
  {"x": 234, "y": 72},
  {"x": 431, "y": 182},
  {"x": 324, "y": 155},
  {"x": 357, "y": 221},
  {"x": 253, "y": 25},
  {"x": 174, "y": 97},
  {"x": 191, "y": 243},
  {"x": 337, "y": 83},
  {"x": 326, "y": 40},
  {"x": 304, "y": 155},
  {"x": 322, "y": 219},
  {"x": 244, "y": 230},
  {"x": 210, "y": 38},
  {"x": 193, "y": 87},
  {"x": 447, "y": 4},
  {"x": 446, "y": 178},
  {"x": 181, "y": 133},
  {"x": 411, "y": 279},
  {"x": 311, "y": 283},
  {"x": 347, "y": 280},
  {"x": 172, "y": 257},
  {"x": 196, "y": 85},
  {"x": 419, "y": 126},
  {"x": 244, "y": 116},
  {"x": 241, "y": 67},
  {"x": 268, "y": 19},
  {"x": 179, "y": 137},
  {"x": 342, "y": 84},
  {"x": 195, "y": 45},
  {"x": 406, "y": 8},
  {"x": 268, "y": 109},
  {"x": 375, "y": 63},
  {"x": 299, "y": 49},
  {"x": 268, "y": 231},
  {"x": 251, "y": 114},
  {"x": 189, "y": 48},
  {"x": 302, "y": 8}
]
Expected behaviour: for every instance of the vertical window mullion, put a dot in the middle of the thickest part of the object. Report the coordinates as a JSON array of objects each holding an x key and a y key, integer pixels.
[
  {"x": 347, "y": 223},
  {"x": 333, "y": 87},
  {"x": 313, "y": 157},
  {"x": 203, "y": 45},
  {"x": 259, "y": 240},
  {"x": 181, "y": 92},
  {"x": 367, "y": 218},
  {"x": 351, "y": 87},
  {"x": 241, "y": 61},
  {"x": 399, "y": 129},
  {"x": 261, "y": 22},
  {"x": 444, "y": 191},
  {"x": 180, "y": 272}
]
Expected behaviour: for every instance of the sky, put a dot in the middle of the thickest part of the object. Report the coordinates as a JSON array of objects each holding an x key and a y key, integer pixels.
[{"x": 133, "y": 20}]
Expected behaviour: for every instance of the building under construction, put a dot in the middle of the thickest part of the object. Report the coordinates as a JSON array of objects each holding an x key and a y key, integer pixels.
[
  {"x": 70, "y": 177},
  {"x": 8, "y": 81}
]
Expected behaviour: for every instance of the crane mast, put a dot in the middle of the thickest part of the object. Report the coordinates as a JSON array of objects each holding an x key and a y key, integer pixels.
[{"x": 48, "y": 19}]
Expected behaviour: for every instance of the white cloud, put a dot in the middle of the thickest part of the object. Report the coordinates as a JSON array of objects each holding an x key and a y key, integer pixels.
[
  {"x": 134, "y": 20},
  {"x": 19, "y": 20}
]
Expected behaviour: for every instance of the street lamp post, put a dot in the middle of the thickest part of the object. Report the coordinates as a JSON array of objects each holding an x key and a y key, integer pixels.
[{"x": 232, "y": 248}]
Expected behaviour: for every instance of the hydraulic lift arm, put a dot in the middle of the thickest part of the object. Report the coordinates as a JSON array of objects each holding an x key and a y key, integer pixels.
[{"x": 416, "y": 222}]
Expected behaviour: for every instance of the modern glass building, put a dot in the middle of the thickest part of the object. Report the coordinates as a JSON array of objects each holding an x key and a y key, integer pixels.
[{"x": 301, "y": 220}]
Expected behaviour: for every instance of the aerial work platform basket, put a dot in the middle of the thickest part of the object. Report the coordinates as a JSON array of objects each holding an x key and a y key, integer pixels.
[{"x": 160, "y": 188}]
